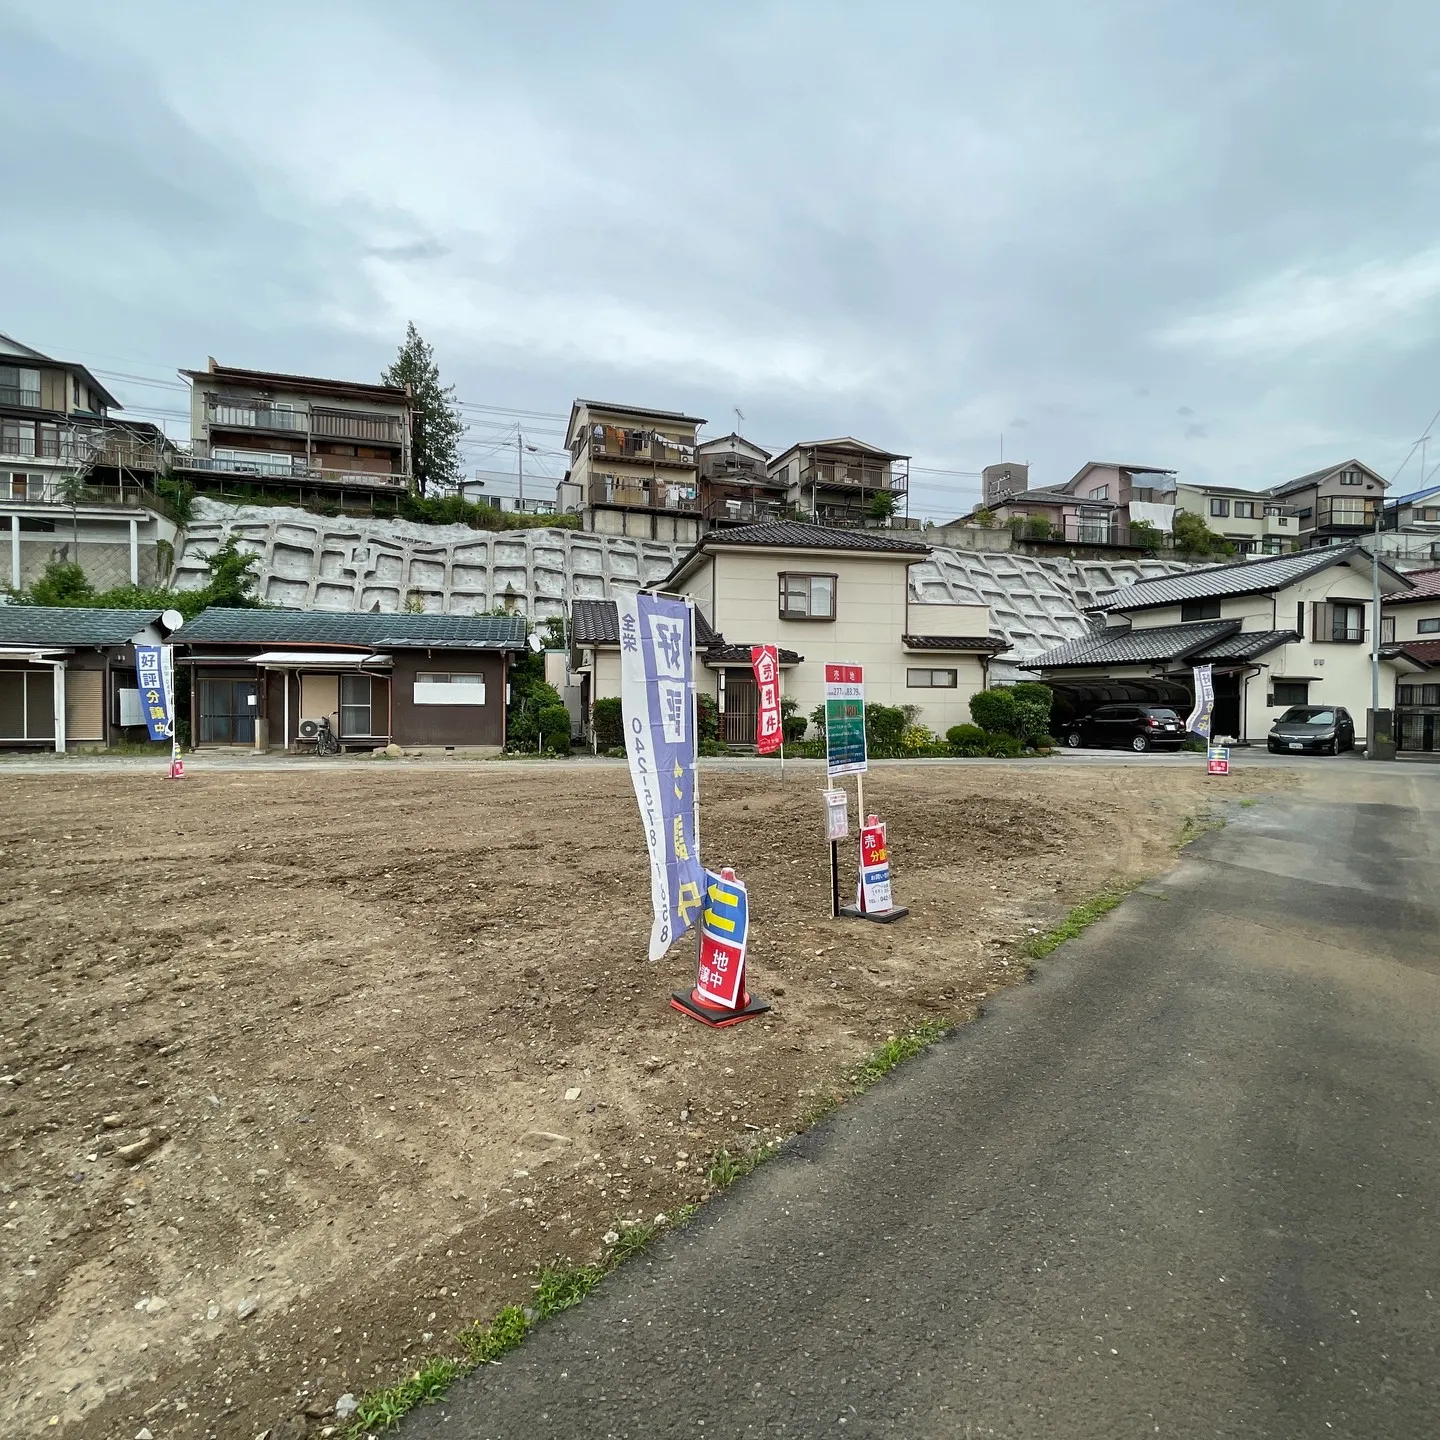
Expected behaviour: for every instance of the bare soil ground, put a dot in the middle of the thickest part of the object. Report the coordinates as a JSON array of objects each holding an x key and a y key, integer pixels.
[{"x": 345, "y": 1009}]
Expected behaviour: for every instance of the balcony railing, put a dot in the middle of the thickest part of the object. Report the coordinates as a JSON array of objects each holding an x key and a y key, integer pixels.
[
  {"x": 641, "y": 446},
  {"x": 355, "y": 425},
  {"x": 9, "y": 395},
  {"x": 1077, "y": 530},
  {"x": 367, "y": 426},
  {"x": 853, "y": 477},
  {"x": 853, "y": 517},
  {"x": 641, "y": 494},
  {"x": 288, "y": 467},
  {"x": 55, "y": 490},
  {"x": 230, "y": 415},
  {"x": 747, "y": 512},
  {"x": 1347, "y": 514},
  {"x": 103, "y": 449}
]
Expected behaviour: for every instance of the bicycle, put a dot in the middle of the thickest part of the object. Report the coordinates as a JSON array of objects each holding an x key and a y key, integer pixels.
[{"x": 320, "y": 734}]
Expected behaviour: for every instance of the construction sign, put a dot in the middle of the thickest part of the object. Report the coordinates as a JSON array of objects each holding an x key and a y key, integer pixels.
[
  {"x": 724, "y": 925},
  {"x": 844, "y": 719},
  {"x": 1217, "y": 760},
  {"x": 769, "y": 734}
]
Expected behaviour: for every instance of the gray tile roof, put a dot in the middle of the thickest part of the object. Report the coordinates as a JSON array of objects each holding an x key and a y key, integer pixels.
[
  {"x": 1271, "y": 572},
  {"x": 1246, "y": 645},
  {"x": 394, "y": 631},
  {"x": 70, "y": 625},
  {"x": 597, "y": 622},
  {"x": 976, "y": 643},
  {"x": 792, "y": 534},
  {"x": 1136, "y": 647}
]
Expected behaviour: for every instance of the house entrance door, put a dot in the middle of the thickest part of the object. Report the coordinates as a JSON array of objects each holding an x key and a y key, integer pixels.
[
  {"x": 737, "y": 725},
  {"x": 1226, "y": 718},
  {"x": 227, "y": 711}
]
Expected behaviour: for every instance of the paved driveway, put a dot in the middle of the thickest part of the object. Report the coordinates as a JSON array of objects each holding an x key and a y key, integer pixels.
[{"x": 1186, "y": 1184}]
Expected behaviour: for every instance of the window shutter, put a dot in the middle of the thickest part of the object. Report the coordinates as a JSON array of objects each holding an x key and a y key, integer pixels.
[
  {"x": 1300, "y": 618},
  {"x": 1317, "y": 620}
]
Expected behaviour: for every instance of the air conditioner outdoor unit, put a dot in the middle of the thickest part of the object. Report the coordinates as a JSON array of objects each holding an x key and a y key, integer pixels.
[{"x": 309, "y": 729}]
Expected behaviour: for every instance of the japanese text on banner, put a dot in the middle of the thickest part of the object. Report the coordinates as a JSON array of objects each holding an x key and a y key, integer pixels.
[
  {"x": 765, "y": 662},
  {"x": 658, "y": 703},
  {"x": 154, "y": 675},
  {"x": 845, "y": 720},
  {"x": 724, "y": 928}
]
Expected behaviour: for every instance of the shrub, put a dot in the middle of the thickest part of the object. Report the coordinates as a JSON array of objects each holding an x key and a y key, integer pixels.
[
  {"x": 884, "y": 726},
  {"x": 1003, "y": 747},
  {"x": 1037, "y": 527},
  {"x": 994, "y": 710},
  {"x": 817, "y": 719},
  {"x": 1032, "y": 720},
  {"x": 795, "y": 727},
  {"x": 552, "y": 723},
  {"x": 609, "y": 723},
  {"x": 917, "y": 739},
  {"x": 965, "y": 737},
  {"x": 708, "y": 723},
  {"x": 1033, "y": 690}
]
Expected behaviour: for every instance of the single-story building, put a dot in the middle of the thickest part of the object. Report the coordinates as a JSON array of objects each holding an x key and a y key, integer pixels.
[
  {"x": 67, "y": 674},
  {"x": 425, "y": 680}
]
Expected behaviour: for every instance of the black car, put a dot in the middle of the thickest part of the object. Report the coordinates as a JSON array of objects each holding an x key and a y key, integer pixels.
[
  {"x": 1321, "y": 729},
  {"x": 1136, "y": 727}
]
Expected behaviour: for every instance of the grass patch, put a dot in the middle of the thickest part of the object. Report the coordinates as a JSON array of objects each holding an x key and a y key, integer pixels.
[
  {"x": 1076, "y": 921},
  {"x": 1248, "y": 802},
  {"x": 1197, "y": 825},
  {"x": 895, "y": 1051},
  {"x": 382, "y": 1409}
]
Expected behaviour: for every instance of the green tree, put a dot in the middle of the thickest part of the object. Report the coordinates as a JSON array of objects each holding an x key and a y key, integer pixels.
[
  {"x": 1194, "y": 537},
  {"x": 994, "y": 711},
  {"x": 437, "y": 426},
  {"x": 984, "y": 517},
  {"x": 61, "y": 583},
  {"x": 1146, "y": 536},
  {"x": 882, "y": 505}
]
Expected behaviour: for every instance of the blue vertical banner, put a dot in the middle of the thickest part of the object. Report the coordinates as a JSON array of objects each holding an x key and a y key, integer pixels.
[
  {"x": 153, "y": 674},
  {"x": 657, "y": 699}
]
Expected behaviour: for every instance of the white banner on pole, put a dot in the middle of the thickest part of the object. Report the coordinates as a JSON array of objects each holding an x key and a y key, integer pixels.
[{"x": 1200, "y": 720}]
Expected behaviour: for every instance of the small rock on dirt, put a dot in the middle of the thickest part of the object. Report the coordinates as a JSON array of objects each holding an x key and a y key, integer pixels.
[
  {"x": 247, "y": 1307},
  {"x": 111, "y": 1122},
  {"x": 547, "y": 1137},
  {"x": 143, "y": 1433},
  {"x": 346, "y": 1406},
  {"x": 573, "y": 1093},
  {"x": 393, "y": 751},
  {"x": 137, "y": 1150},
  {"x": 155, "y": 1304}
]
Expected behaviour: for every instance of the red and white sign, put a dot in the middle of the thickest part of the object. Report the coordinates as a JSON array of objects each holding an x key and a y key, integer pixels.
[
  {"x": 769, "y": 733},
  {"x": 874, "y": 867},
  {"x": 1217, "y": 760}
]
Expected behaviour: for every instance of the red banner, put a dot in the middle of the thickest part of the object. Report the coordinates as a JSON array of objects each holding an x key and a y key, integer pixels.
[{"x": 769, "y": 734}]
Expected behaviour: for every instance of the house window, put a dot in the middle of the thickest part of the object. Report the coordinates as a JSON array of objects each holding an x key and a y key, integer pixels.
[
  {"x": 1351, "y": 477},
  {"x": 17, "y": 437},
  {"x": 1220, "y": 508},
  {"x": 807, "y": 597},
  {"x": 1339, "y": 623},
  {"x": 1199, "y": 610},
  {"x": 931, "y": 679},
  {"x": 451, "y": 689},
  {"x": 1101, "y": 492},
  {"x": 1290, "y": 692},
  {"x": 1306, "y": 513},
  {"x": 1244, "y": 510},
  {"x": 1425, "y": 627},
  {"x": 1387, "y": 629},
  {"x": 355, "y": 705},
  {"x": 1271, "y": 510},
  {"x": 19, "y": 386}
]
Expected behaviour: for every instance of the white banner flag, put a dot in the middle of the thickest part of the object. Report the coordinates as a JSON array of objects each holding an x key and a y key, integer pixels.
[{"x": 1199, "y": 722}]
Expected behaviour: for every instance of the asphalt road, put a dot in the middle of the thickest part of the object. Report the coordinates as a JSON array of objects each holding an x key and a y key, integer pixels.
[{"x": 1186, "y": 1184}]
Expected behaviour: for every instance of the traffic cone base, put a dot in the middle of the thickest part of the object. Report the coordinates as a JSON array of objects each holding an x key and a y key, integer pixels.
[{"x": 688, "y": 1002}]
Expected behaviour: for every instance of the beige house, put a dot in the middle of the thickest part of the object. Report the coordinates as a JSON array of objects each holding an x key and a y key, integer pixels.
[
  {"x": 1288, "y": 630},
  {"x": 821, "y": 595},
  {"x": 1255, "y": 522},
  {"x": 632, "y": 472}
]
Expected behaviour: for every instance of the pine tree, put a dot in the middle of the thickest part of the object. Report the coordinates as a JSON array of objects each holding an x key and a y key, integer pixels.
[{"x": 435, "y": 443}]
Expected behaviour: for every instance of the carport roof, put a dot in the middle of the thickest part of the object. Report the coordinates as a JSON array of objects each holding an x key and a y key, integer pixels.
[
  {"x": 50, "y": 625},
  {"x": 1138, "y": 647},
  {"x": 397, "y": 631}
]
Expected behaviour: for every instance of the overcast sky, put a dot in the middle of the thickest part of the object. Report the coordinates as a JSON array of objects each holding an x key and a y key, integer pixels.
[{"x": 1195, "y": 235}]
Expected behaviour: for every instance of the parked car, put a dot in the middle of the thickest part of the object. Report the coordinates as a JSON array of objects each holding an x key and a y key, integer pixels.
[
  {"x": 1136, "y": 727},
  {"x": 1324, "y": 729}
]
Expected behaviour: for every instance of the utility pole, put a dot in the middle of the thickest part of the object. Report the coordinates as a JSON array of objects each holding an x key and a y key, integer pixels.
[{"x": 520, "y": 465}]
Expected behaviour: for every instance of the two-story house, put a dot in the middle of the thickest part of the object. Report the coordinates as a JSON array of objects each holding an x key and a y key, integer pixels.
[
  {"x": 819, "y": 594},
  {"x": 1096, "y": 506},
  {"x": 844, "y": 482},
  {"x": 736, "y": 487},
  {"x": 1335, "y": 505},
  {"x": 255, "y": 433},
  {"x": 76, "y": 480},
  {"x": 1287, "y": 630},
  {"x": 1412, "y": 635},
  {"x": 1254, "y": 521},
  {"x": 632, "y": 472}
]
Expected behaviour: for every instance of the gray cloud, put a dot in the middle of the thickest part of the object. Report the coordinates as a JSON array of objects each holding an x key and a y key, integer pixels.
[{"x": 1101, "y": 217}]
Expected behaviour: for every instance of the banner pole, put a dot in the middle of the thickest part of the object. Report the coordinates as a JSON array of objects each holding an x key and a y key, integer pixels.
[{"x": 834, "y": 879}]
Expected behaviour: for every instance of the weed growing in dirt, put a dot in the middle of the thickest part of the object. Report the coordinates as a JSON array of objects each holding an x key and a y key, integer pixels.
[
  {"x": 633, "y": 1239},
  {"x": 896, "y": 1050},
  {"x": 560, "y": 1289},
  {"x": 1076, "y": 921},
  {"x": 484, "y": 1343},
  {"x": 382, "y": 1409},
  {"x": 1248, "y": 802},
  {"x": 1197, "y": 825}
]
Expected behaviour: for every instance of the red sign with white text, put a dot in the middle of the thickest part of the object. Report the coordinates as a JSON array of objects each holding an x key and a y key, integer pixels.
[
  {"x": 874, "y": 867},
  {"x": 769, "y": 734}
]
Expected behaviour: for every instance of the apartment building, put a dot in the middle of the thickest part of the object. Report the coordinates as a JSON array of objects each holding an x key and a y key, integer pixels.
[
  {"x": 258, "y": 434},
  {"x": 633, "y": 471},
  {"x": 736, "y": 487},
  {"x": 76, "y": 479},
  {"x": 844, "y": 482}
]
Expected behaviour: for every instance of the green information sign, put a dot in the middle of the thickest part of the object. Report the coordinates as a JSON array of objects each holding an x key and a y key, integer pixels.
[{"x": 844, "y": 719}]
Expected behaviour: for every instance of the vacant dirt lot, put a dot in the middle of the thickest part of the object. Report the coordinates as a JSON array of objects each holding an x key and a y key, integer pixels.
[{"x": 345, "y": 1008}]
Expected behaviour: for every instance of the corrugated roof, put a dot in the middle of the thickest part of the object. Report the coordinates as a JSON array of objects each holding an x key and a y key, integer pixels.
[
  {"x": 70, "y": 625},
  {"x": 392, "y": 631},
  {"x": 1271, "y": 572},
  {"x": 606, "y": 409},
  {"x": 1246, "y": 645},
  {"x": 1427, "y": 587},
  {"x": 1136, "y": 647}
]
